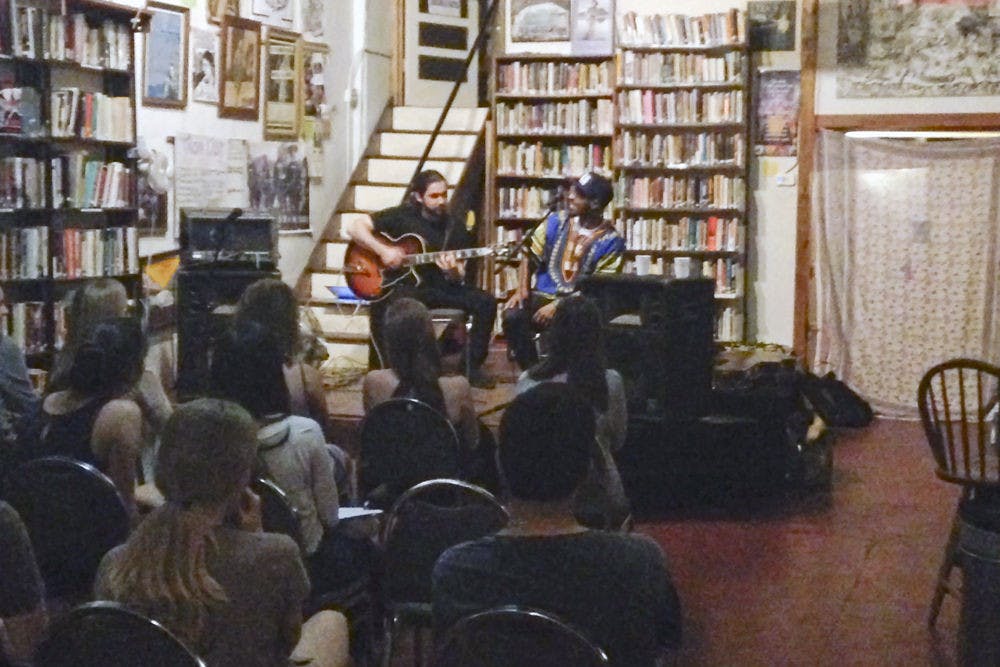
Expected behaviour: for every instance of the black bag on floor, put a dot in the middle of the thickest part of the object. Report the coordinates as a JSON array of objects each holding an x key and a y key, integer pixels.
[{"x": 835, "y": 402}]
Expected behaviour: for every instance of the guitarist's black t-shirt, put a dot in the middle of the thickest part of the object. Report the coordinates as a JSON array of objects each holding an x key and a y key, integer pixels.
[{"x": 406, "y": 219}]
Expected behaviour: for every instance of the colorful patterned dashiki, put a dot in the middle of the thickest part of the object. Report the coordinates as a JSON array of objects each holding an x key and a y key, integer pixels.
[{"x": 568, "y": 251}]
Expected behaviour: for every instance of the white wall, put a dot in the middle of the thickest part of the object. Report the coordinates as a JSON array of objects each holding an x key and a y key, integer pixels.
[
  {"x": 771, "y": 237},
  {"x": 346, "y": 31}
]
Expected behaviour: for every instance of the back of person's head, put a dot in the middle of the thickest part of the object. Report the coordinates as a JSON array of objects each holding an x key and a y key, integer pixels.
[
  {"x": 248, "y": 368},
  {"x": 412, "y": 351},
  {"x": 206, "y": 454},
  {"x": 94, "y": 302},
  {"x": 425, "y": 179},
  {"x": 576, "y": 347},
  {"x": 272, "y": 304},
  {"x": 110, "y": 361},
  {"x": 546, "y": 442}
]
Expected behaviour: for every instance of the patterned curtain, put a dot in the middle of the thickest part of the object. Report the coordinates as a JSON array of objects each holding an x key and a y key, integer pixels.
[{"x": 905, "y": 260}]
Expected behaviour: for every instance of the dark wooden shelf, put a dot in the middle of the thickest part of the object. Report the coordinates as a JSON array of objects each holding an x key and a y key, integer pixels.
[
  {"x": 46, "y": 140},
  {"x": 684, "y": 48},
  {"x": 562, "y": 57},
  {"x": 555, "y": 96},
  {"x": 697, "y": 125},
  {"x": 685, "y": 210},
  {"x": 679, "y": 85},
  {"x": 64, "y": 64},
  {"x": 632, "y": 252},
  {"x": 553, "y": 136},
  {"x": 716, "y": 166}
]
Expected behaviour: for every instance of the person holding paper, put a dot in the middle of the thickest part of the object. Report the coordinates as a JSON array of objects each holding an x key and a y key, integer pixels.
[{"x": 566, "y": 247}]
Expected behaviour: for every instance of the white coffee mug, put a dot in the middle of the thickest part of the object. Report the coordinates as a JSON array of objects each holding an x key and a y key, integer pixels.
[
  {"x": 642, "y": 263},
  {"x": 682, "y": 267}
]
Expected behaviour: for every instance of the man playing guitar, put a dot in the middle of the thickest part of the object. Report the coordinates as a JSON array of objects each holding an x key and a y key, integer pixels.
[{"x": 440, "y": 284}]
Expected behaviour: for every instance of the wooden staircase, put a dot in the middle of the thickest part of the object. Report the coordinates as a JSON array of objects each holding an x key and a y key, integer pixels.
[{"x": 380, "y": 182}]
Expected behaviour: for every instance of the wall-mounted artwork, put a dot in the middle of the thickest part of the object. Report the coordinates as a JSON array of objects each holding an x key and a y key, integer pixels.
[
  {"x": 593, "y": 27},
  {"x": 314, "y": 59},
  {"x": 312, "y": 19},
  {"x": 164, "y": 81},
  {"x": 772, "y": 25},
  {"x": 917, "y": 49},
  {"x": 152, "y": 210},
  {"x": 282, "y": 89},
  {"x": 777, "y": 126},
  {"x": 217, "y": 9},
  {"x": 278, "y": 180},
  {"x": 279, "y": 13},
  {"x": 204, "y": 66},
  {"x": 531, "y": 24},
  {"x": 239, "y": 80}
]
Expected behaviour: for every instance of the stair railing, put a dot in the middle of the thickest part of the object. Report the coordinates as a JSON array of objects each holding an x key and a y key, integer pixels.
[{"x": 484, "y": 23}]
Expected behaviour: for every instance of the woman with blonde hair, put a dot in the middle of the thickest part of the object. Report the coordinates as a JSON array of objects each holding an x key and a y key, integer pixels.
[{"x": 200, "y": 564}]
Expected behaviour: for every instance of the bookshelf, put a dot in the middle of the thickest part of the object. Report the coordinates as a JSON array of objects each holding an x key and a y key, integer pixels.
[
  {"x": 680, "y": 150},
  {"x": 67, "y": 184},
  {"x": 553, "y": 120}
]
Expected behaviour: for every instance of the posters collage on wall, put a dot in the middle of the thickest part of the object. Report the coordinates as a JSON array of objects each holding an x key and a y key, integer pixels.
[{"x": 582, "y": 27}]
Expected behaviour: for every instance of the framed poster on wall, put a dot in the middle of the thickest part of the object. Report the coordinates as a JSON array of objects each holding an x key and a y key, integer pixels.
[
  {"x": 282, "y": 90},
  {"x": 164, "y": 76},
  {"x": 239, "y": 80}
]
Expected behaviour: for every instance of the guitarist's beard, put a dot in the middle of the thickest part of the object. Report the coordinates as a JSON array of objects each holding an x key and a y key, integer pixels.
[{"x": 438, "y": 216}]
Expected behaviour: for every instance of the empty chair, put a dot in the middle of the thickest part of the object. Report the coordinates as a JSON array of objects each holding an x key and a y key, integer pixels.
[
  {"x": 422, "y": 524},
  {"x": 404, "y": 442},
  {"x": 958, "y": 407},
  {"x": 516, "y": 637},
  {"x": 74, "y": 515},
  {"x": 106, "y": 634}
]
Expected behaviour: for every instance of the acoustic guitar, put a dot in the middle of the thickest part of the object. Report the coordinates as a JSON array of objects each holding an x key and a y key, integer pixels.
[{"x": 371, "y": 280}]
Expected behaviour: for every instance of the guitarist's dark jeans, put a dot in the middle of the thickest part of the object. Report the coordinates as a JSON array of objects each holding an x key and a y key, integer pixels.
[
  {"x": 519, "y": 329},
  {"x": 472, "y": 300}
]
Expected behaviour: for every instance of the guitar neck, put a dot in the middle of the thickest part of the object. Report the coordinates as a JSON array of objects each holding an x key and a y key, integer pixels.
[{"x": 431, "y": 257}]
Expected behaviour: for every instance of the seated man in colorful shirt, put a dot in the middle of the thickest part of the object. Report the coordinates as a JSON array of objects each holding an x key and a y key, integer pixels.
[{"x": 567, "y": 245}]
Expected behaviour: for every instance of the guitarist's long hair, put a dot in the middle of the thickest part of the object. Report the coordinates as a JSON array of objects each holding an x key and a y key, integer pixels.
[{"x": 413, "y": 352}]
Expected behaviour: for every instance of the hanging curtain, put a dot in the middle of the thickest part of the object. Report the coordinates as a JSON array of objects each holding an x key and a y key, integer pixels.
[{"x": 905, "y": 260}]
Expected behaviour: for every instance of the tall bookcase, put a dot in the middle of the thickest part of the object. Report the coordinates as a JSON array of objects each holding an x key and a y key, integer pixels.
[
  {"x": 553, "y": 119},
  {"x": 680, "y": 151},
  {"x": 68, "y": 206}
]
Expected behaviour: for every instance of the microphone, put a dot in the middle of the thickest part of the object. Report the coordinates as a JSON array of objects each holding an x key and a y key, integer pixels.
[
  {"x": 233, "y": 215},
  {"x": 220, "y": 232}
]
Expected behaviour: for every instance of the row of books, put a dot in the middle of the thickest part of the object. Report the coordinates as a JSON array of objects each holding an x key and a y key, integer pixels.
[
  {"x": 680, "y": 150},
  {"x": 24, "y": 323},
  {"x": 91, "y": 115},
  {"x": 669, "y": 29},
  {"x": 581, "y": 117},
  {"x": 729, "y": 325},
  {"x": 24, "y": 253},
  {"x": 90, "y": 253},
  {"x": 524, "y": 201},
  {"x": 40, "y": 32},
  {"x": 727, "y": 272},
  {"x": 22, "y": 183},
  {"x": 505, "y": 282},
  {"x": 538, "y": 159},
  {"x": 710, "y": 191},
  {"x": 530, "y": 78},
  {"x": 636, "y": 67},
  {"x": 20, "y": 111},
  {"x": 682, "y": 106},
  {"x": 687, "y": 234},
  {"x": 81, "y": 181}
]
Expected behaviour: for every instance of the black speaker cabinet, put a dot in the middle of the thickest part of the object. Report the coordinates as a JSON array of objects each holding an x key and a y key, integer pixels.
[
  {"x": 667, "y": 353},
  {"x": 206, "y": 299}
]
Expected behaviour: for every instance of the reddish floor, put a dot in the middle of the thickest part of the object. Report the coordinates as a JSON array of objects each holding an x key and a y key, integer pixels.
[{"x": 845, "y": 583}]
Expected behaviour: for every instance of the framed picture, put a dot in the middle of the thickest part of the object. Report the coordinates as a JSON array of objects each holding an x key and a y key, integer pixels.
[
  {"x": 239, "y": 69},
  {"x": 165, "y": 62},
  {"x": 314, "y": 57},
  {"x": 772, "y": 25},
  {"x": 282, "y": 85},
  {"x": 278, "y": 180},
  {"x": 219, "y": 8},
  {"x": 312, "y": 18},
  {"x": 204, "y": 66},
  {"x": 593, "y": 27},
  {"x": 278, "y": 13},
  {"x": 539, "y": 26}
]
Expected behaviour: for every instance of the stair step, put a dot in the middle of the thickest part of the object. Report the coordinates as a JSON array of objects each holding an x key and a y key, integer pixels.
[
  {"x": 343, "y": 218},
  {"x": 335, "y": 255},
  {"x": 345, "y": 355},
  {"x": 341, "y": 323},
  {"x": 400, "y": 171},
  {"x": 425, "y": 118},
  {"x": 321, "y": 281},
  {"x": 376, "y": 197},
  {"x": 411, "y": 144}
]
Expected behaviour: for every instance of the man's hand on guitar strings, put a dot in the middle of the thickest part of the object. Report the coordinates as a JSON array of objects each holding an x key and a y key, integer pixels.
[
  {"x": 392, "y": 256},
  {"x": 452, "y": 268}
]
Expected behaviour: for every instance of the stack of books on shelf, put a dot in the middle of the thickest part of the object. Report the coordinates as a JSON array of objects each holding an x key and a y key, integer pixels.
[
  {"x": 24, "y": 253},
  {"x": 90, "y": 253},
  {"x": 729, "y": 325},
  {"x": 670, "y": 29},
  {"x": 81, "y": 181},
  {"x": 680, "y": 192},
  {"x": 551, "y": 160},
  {"x": 20, "y": 111},
  {"x": 680, "y": 150},
  {"x": 685, "y": 106},
  {"x": 712, "y": 234},
  {"x": 580, "y": 117},
  {"x": 90, "y": 115},
  {"x": 657, "y": 68},
  {"x": 22, "y": 183},
  {"x": 25, "y": 324},
  {"x": 525, "y": 201},
  {"x": 553, "y": 78},
  {"x": 40, "y": 30}
]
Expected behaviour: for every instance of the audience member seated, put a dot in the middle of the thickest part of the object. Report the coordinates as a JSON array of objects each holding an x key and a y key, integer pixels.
[
  {"x": 19, "y": 403},
  {"x": 291, "y": 451},
  {"x": 96, "y": 301},
  {"x": 96, "y": 419},
  {"x": 200, "y": 564},
  {"x": 576, "y": 357},
  {"x": 22, "y": 598},
  {"x": 613, "y": 586},
  {"x": 272, "y": 304},
  {"x": 415, "y": 372}
]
